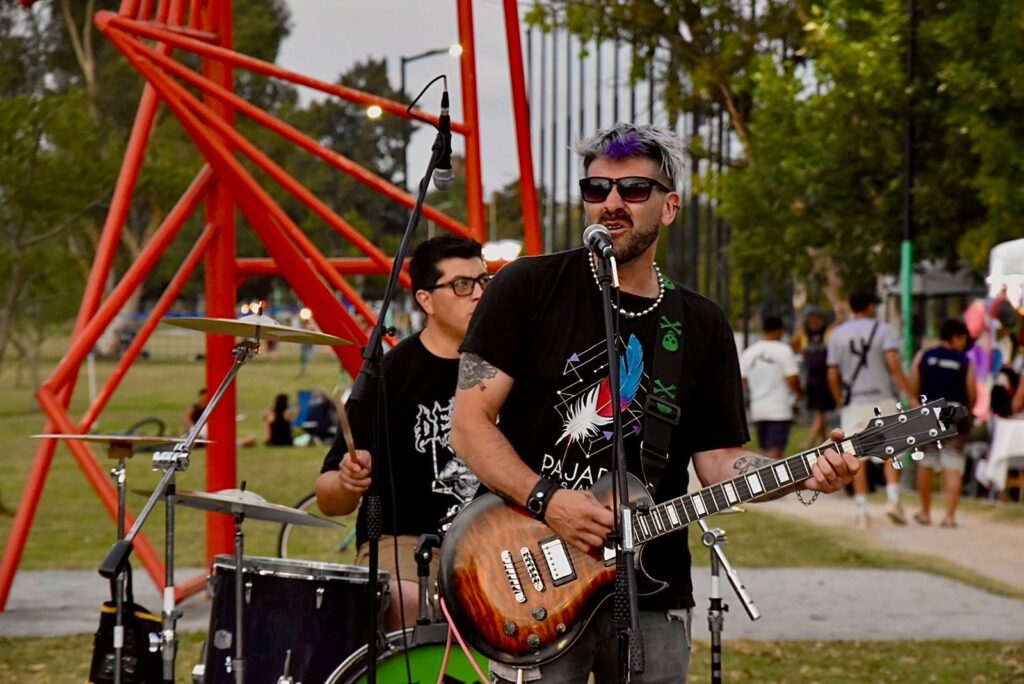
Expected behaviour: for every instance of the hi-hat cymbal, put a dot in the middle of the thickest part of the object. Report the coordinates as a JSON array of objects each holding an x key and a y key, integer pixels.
[
  {"x": 235, "y": 501},
  {"x": 120, "y": 444},
  {"x": 255, "y": 325}
]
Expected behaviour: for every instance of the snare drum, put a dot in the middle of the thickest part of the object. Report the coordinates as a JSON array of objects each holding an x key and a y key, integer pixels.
[
  {"x": 315, "y": 610},
  {"x": 426, "y": 655}
]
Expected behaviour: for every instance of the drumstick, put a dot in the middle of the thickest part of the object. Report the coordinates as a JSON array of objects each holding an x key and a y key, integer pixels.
[{"x": 346, "y": 429}]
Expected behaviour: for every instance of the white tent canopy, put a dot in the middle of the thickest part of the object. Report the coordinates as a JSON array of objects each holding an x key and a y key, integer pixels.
[{"x": 1006, "y": 269}]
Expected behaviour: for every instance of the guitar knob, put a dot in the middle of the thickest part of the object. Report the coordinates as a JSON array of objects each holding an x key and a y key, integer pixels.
[
  {"x": 511, "y": 629},
  {"x": 533, "y": 641},
  {"x": 560, "y": 628},
  {"x": 917, "y": 454},
  {"x": 539, "y": 613}
]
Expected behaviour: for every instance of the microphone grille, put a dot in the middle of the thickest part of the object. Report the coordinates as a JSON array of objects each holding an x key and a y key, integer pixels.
[{"x": 591, "y": 230}]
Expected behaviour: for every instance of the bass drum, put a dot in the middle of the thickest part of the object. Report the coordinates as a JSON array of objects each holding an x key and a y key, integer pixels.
[
  {"x": 314, "y": 612},
  {"x": 426, "y": 655}
]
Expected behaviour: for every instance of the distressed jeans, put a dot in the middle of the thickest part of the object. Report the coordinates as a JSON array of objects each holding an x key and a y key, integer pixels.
[{"x": 667, "y": 640}]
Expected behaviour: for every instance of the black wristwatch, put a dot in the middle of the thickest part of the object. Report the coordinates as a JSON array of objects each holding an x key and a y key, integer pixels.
[{"x": 537, "y": 502}]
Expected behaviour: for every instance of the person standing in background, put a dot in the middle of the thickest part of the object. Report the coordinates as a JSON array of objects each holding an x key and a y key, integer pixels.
[
  {"x": 812, "y": 344},
  {"x": 863, "y": 366},
  {"x": 772, "y": 381},
  {"x": 945, "y": 372}
]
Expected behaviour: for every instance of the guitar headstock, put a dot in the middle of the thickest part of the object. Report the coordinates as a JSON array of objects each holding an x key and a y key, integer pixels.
[{"x": 889, "y": 436}]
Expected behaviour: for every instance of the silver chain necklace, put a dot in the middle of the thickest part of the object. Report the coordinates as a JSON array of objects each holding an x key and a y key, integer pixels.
[{"x": 633, "y": 314}]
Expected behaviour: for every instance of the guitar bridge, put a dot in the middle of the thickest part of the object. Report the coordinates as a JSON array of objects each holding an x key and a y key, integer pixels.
[{"x": 513, "y": 577}]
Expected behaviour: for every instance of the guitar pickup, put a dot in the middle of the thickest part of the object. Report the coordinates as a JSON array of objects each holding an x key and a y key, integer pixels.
[{"x": 556, "y": 555}]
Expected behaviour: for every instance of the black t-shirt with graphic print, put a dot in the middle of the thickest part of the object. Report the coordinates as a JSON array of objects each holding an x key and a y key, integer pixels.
[
  {"x": 541, "y": 322},
  {"x": 429, "y": 480}
]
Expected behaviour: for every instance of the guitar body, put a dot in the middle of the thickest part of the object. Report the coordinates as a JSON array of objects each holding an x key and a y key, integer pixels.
[{"x": 520, "y": 594}]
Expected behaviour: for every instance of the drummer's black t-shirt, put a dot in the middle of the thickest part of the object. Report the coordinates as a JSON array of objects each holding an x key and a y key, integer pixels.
[
  {"x": 429, "y": 481},
  {"x": 541, "y": 322}
]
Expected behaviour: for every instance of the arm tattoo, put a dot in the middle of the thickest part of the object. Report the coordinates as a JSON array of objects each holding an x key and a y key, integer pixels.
[
  {"x": 748, "y": 464},
  {"x": 473, "y": 370}
]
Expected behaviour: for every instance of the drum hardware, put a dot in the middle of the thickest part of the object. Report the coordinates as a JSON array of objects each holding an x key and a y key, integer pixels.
[
  {"x": 287, "y": 637},
  {"x": 241, "y": 503},
  {"x": 121, "y": 448},
  {"x": 424, "y": 553},
  {"x": 255, "y": 326}
]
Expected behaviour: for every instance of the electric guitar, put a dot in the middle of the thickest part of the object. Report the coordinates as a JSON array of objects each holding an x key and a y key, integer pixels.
[{"x": 521, "y": 595}]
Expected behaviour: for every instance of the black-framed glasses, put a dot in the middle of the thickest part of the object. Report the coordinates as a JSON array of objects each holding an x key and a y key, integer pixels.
[
  {"x": 463, "y": 286},
  {"x": 633, "y": 189}
]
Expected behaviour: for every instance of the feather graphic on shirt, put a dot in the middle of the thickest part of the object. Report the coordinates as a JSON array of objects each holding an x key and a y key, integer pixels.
[
  {"x": 594, "y": 410},
  {"x": 584, "y": 420}
]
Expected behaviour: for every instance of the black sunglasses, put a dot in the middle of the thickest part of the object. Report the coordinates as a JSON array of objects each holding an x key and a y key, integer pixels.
[
  {"x": 463, "y": 286},
  {"x": 632, "y": 189}
]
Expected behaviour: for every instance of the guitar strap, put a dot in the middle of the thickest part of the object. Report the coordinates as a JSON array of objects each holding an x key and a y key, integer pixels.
[{"x": 661, "y": 407}]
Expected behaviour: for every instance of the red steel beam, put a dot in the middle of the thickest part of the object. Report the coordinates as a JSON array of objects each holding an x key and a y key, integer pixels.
[
  {"x": 467, "y": 65},
  {"x": 136, "y": 274},
  {"x": 162, "y": 306},
  {"x": 521, "y": 109},
  {"x": 264, "y": 215},
  {"x": 293, "y": 135}
]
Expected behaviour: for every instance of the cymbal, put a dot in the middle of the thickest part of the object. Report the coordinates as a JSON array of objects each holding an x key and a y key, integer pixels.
[
  {"x": 233, "y": 501},
  {"x": 120, "y": 444},
  {"x": 256, "y": 324}
]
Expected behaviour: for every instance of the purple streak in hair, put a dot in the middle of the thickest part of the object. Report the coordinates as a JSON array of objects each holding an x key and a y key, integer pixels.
[{"x": 624, "y": 147}]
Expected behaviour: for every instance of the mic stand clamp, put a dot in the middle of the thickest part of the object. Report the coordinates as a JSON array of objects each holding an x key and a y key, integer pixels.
[{"x": 715, "y": 539}]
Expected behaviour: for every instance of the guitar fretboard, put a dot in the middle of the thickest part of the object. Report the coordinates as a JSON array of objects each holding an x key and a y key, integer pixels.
[{"x": 677, "y": 513}]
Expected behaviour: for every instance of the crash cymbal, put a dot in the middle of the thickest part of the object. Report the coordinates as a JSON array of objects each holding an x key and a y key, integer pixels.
[
  {"x": 234, "y": 501},
  {"x": 120, "y": 445},
  {"x": 255, "y": 325}
]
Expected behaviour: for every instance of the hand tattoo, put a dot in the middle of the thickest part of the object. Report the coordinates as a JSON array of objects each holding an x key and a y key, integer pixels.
[
  {"x": 473, "y": 370},
  {"x": 747, "y": 464}
]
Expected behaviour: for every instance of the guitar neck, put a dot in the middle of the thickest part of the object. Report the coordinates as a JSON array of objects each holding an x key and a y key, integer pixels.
[{"x": 675, "y": 514}]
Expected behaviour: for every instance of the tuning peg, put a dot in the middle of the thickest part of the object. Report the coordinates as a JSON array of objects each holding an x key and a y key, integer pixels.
[
  {"x": 899, "y": 405},
  {"x": 878, "y": 412},
  {"x": 897, "y": 464},
  {"x": 938, "y": 444},
  {"x": 917, "y": 454},
  {"x": 923, "y": 399}
]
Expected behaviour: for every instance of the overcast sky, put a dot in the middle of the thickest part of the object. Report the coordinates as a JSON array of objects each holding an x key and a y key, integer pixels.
[{"x": 329, "y": 36}]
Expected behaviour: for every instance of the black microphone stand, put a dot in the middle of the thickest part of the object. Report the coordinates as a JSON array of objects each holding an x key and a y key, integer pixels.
[
  {"x": 625, "y": 610},
  {"x": 367, "y": 387}
]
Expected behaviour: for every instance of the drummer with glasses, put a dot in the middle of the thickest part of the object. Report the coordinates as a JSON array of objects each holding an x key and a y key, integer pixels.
[{"x": 422, "y": 480}]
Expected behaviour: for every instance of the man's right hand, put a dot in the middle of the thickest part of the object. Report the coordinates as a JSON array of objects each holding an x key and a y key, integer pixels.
[
  {"x": 579, "y": 518},
  {"x": 355, "y": 473}
]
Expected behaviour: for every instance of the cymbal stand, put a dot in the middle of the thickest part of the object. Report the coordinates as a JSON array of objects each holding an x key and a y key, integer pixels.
[
  {"x": 171, "y": 462},
  {"x": 118, "y": 474},
  {"x": 715, "y": 539},
  {"x": 237, "y": 664}
]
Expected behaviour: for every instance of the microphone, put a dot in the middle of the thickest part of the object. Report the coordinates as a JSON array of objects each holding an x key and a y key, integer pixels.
[
  {"x": 598, "y": 240},
  {"x": 443, "y": 175}
]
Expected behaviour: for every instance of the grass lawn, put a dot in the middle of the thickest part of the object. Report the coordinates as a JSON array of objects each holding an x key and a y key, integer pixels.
[{"x": 72, "y": 530}]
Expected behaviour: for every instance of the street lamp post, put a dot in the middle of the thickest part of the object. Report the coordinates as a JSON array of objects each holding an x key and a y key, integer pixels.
[{"x": 453, "y": 50}]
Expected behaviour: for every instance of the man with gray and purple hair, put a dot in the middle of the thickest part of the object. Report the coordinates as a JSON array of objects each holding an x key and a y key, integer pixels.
[{"x": 532, "y": 410}]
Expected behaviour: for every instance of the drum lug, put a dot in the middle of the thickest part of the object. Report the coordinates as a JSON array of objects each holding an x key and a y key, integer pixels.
[{"x": 319, "y": 597}]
